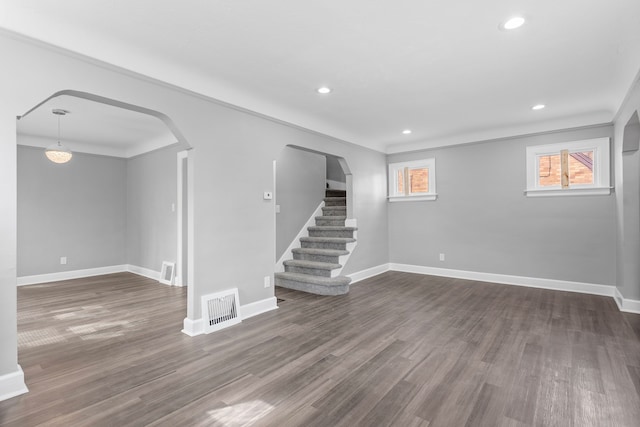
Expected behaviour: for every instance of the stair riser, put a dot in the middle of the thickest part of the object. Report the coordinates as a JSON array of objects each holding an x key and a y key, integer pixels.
[
  {"x": 335, "y": 193},
  {"x": 335, "y": 222},
  {"x": 331, "y": 233},
  {"x": 307, "y": 270},
  {"x": 335, "y": 203},
  {"x": 313, "y": 288},
  {"x": 318, "y": 258},
  {"x": 334, "y": 211},
  {"x": 324, "y": 245}
]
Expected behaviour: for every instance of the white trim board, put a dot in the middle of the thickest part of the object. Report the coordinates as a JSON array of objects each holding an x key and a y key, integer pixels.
[
  {"x": 367, "y": 273},
  {"x": 182, "y": 156},
  {"x": 625, "y": 305},
  {"x": 531, "y": 282},
  {"x": 195, "y": 327},
  {"x": 258, "y": 307},
  {"x": 12, "y": 384},
  {"x": 142, "y": 271},
  {"x": 89, "y": 272},
  {"x": 68, "y": 275},
  {"x": 192, "y": 327}
]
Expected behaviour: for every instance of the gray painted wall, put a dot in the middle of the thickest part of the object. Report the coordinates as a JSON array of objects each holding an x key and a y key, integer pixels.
[
  {"x": 234, "y": 228},
  {"x": 105, "y": 211},
  {"x": 151, "y": 223},
  {"x": 300, "y": 187},
  {"x": 482, "y": 221},
  {"x": 334, "y": 171},
  {"x": 627, "y": 179},
  {"x": 75, "y": 210}
]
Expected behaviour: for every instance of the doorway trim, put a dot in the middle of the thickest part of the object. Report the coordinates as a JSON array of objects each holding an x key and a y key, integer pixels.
[{"x": 183, "y": 156}]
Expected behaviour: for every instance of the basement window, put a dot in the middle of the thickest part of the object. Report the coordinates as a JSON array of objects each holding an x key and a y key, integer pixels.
[
  {"x": 412, "y": 181},
  {"x": 569, "y": 168}
]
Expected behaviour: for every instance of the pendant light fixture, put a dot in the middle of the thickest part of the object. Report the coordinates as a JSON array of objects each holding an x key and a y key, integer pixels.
[{"x": 57, "y": 153}]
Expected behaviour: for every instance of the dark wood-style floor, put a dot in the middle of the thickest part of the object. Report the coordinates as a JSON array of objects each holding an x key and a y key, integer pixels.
[{"x": 400, "y": 349}]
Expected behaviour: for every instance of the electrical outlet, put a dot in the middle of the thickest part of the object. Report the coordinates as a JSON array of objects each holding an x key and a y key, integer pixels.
[
  {"x": 267, "y": 281},
  {"x": 63, "y": 260},
  {"x": 441, "y": 257}
]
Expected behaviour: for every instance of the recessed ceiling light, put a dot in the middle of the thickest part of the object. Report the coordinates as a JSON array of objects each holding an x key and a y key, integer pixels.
[
  {"x": 513, "y": 23},
  {"x": 324, "y": 90},
  {"x": 406, "y": 131},
  {"x": 538, "y": 107}
]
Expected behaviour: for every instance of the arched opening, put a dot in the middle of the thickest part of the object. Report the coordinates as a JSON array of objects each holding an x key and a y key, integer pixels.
[
  {"x": 315, "y": 224},
  {"x": 142, "y": 146}
]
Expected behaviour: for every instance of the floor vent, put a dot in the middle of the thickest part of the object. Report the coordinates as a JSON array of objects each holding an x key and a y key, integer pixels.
[{"x": 220, "y": 310}]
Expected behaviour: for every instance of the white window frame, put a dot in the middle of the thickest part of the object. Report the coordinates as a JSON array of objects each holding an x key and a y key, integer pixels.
[
  {"x": 601, "y": 168},
  {"x": 415, "y": 164}
]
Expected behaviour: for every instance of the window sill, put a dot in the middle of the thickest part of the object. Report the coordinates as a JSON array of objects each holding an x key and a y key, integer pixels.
[
  {"x": 592, "y": 191},
  {"x": 425, "y": 198}
]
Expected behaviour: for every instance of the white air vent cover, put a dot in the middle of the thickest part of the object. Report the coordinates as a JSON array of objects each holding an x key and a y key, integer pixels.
[{"x": 220, "y": 310}]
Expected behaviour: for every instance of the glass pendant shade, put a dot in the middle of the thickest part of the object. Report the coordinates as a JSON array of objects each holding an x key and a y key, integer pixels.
[{"x": 57, "y": 153}]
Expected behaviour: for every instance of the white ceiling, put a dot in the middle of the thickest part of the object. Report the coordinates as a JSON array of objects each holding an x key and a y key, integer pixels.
[
  {"x": 93, "y": 127},
  {"x": 440, "y": 68}
]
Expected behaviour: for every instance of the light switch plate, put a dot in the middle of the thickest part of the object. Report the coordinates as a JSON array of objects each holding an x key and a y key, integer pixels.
[{"x": 268, "y": 195}]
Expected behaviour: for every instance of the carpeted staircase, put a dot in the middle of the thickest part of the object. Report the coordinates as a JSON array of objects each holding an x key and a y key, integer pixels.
[{"x": 316, "y": 265}]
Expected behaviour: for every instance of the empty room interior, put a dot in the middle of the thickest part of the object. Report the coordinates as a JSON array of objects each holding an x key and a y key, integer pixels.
[{"x": 331, "y": 213}]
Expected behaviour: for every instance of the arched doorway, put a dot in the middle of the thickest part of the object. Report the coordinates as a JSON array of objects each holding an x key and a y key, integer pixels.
[{"x": 91, "y": 109}]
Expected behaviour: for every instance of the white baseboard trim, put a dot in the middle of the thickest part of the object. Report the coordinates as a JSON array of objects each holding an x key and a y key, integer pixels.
[
  {"x": 532, "y": 282},
  {"x": 12, "y": 384},
  {"x": 369, "y": 272},
  {"x": 196, "y": 327},
  {"x": 141, "y": 271},
  {"x": 626, "y": 305},
  {"x": 258, "y": 307},
  {"x": 68, "y": 275},
  {"x": 286, "y": 255},
  {"x": 89, "y": 272},
  {"x": 192, "y": 327}
]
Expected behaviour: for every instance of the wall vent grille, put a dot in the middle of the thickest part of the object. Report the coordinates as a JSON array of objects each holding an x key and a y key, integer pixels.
[{"x": 220, "y": 310}]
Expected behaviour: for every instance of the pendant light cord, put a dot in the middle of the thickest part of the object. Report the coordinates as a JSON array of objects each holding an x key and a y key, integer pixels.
[{"x": 58, "y": 130}]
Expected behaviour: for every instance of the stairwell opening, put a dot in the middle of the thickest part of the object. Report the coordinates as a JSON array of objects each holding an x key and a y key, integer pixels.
[{"x": 315, "y": 228}]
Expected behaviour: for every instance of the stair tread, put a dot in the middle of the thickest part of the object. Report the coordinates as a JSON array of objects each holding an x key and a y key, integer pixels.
[
  {"x": 334, "y": 199},
  {"x": 318, "y": 280},
  {"x": 328, "y": 239},
  {"x": 312, "y": 264},
  {"x": 318, "y": 251},
  {"x": 331, "y": 228},
  {"x": 332, "y": 217}
]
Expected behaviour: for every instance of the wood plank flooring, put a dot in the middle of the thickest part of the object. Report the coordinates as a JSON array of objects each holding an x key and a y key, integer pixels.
[{"x": 399, "y": 350}]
